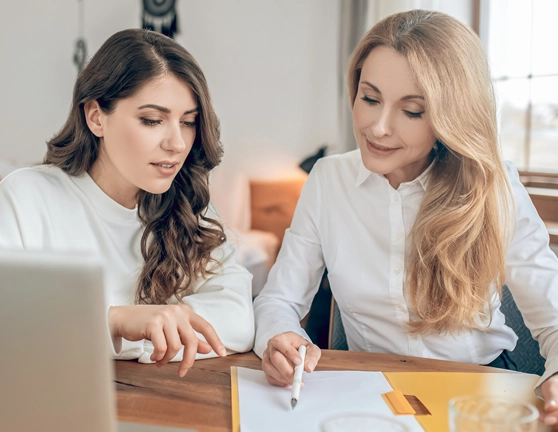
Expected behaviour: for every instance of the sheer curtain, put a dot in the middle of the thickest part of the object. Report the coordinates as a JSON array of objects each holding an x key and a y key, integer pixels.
[{"x": 354, "y": 24}]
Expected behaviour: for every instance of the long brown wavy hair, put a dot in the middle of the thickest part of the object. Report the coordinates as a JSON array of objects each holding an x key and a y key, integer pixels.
[
  {"x": 179, "y": 236},
  {"x": 458, "y": 242}
]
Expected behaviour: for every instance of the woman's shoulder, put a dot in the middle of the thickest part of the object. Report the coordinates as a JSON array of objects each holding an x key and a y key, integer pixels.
[
  {"x": 511, "y": 170},
  {"x": 35, "y": 182},
  {"x": 340, "y": 164},
  {"x": 39, "y": 174},
  {"x": 514, "y": 180}
]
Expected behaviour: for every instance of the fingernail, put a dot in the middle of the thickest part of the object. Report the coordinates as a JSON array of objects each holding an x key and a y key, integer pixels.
[
  {"x": 550, "y": 403},
  {"x": 222, "y": 351},
  {"x": 296, "y": 361},
  {"x": 311, "y": 366},
  {"x": 182, "y": 374}
]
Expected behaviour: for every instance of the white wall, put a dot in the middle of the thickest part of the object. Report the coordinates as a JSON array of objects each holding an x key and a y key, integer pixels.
[
  {"x": 460, "y": 9},
  {"x": 37, "y": 74},
  {"x": 270, "y": 66}
]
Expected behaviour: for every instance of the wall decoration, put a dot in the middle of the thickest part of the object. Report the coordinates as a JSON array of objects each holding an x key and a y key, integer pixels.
[
  {"x": 160, "y": 16},
  {"x": 80, "y": 51}
]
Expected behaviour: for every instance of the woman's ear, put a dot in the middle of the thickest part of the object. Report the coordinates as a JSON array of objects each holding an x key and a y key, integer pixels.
[{"x": 93, "y": 117}]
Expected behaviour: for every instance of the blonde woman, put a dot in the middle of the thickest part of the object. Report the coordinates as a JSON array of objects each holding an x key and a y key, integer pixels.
[{"x": 420, "y": 227}]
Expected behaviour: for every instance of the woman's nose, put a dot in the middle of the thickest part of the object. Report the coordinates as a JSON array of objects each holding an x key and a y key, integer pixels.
[
  {"x": 383, "y": 125},
  {"x": 174, "y": 141}
]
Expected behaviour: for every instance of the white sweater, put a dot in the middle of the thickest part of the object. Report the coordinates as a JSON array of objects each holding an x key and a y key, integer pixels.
[{"x": 43, "y": 208}]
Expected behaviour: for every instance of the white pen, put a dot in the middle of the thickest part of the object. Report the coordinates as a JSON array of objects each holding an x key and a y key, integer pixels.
[{"x": 297, "y": 381}]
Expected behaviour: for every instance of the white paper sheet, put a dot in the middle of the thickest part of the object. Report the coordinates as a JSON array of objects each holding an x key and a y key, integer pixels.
[{"x": 326, "y": 394}]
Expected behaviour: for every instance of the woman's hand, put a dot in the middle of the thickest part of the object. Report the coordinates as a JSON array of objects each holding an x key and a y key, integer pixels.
[
  {"x": 281, "y": 356},
  {"x": 550, "y": 395},
  {"x": 168, "y": 327}
]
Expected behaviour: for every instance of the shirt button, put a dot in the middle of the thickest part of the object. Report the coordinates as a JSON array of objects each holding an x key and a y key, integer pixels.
[
  {"x": 401, "y": 308},
  {"x": 396, "y": 198},
  {"x": 397, "y": 270},
  {"x": 398, "y": 236}
]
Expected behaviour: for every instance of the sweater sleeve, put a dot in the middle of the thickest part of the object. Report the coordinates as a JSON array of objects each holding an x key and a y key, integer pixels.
[
  {"x": 294, "y": 279},
  {"x": 22, "y": 220},
  {"x": 224, "y": 299},
  {"x": 10, "y": 228},
  {"x": 532, "y": 276}
]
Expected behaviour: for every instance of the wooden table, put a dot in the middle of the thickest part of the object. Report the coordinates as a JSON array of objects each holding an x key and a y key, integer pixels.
[{"x": 202, "y": 399}]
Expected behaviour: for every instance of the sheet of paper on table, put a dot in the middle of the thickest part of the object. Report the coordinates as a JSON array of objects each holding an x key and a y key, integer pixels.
[{"x": 325, "y": 394}]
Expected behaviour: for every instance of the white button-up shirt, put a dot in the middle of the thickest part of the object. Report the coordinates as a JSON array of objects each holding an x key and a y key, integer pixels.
[{"x": 354, "y": 223}]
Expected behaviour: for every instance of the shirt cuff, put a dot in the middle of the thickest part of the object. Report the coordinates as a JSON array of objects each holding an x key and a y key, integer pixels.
[
  {"x": 551, "y": 370},
  {"x": 116, "y": 342}
]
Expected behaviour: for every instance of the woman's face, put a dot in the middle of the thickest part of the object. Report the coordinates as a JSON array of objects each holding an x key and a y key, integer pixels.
[
  {"x": 390, "y": 124},
  {"x": 145, "y": 140}
]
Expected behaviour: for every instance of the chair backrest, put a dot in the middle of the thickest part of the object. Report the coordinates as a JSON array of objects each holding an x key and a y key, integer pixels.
[
  {"x": 526, "y": 354},
  {"x": 337, "y": 337}
]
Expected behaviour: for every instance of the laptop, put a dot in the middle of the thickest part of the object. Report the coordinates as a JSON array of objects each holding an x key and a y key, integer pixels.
[{"x": 56, "y": 371}]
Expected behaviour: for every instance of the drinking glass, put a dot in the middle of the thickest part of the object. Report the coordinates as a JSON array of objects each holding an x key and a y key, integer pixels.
[
  {"x": 484, "y": 413},
  {"x": 362, "y": 422}
]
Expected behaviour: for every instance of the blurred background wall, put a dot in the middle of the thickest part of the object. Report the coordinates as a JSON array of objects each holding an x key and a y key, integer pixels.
[{"x": 271, "y": 68}]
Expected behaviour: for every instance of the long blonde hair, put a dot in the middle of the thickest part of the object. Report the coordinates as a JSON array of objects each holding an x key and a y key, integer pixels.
[{"x": 458, "y": 242}]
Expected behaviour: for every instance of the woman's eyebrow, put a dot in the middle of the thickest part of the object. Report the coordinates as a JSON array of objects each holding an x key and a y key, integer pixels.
[
  {"x": 372, "y": 86},
  {"x": 412, "y": 97},
  {"x": 166, "y": 110},
  {"x": 157, "y": 107},
  {"x": 404, "y": 98}
]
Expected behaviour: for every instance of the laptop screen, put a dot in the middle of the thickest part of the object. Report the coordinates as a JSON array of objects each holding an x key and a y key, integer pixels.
[{"x": 56, "y": 370}]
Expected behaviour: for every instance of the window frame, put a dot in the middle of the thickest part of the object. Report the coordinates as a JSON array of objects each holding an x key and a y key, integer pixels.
[{"x": 480, "y": 26}]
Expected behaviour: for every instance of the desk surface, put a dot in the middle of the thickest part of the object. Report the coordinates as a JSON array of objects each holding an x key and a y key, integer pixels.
[{"x": 202, "y": 399}]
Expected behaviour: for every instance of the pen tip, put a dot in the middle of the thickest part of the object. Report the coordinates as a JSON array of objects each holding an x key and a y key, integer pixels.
[{"x": 293, "y": 403}]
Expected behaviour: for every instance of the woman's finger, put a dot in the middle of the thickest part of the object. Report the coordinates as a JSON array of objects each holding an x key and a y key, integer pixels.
[
  {"x": 313, "y": 355},
  {"x": 287, "y": 344},
  {"x": 273, "y": 376},
  {"x": 204, "y": 347},
  {"x": 282, "y": 364},
  {"x": 157, "y": 338},
  {"x": 549, "y": 390},
  {"x": 190, "y": 342},
  {"x": 174, "y": 343},
  {"x": 202, "y": 326}
]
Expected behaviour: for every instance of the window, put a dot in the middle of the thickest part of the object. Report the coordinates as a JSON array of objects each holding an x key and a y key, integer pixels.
[{"x": 520, "y": 39}]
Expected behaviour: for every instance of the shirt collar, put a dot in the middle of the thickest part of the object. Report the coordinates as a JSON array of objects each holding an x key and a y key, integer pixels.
[
  {"x": 362, "y": 174},
  {"x": 422, "y": 180}
]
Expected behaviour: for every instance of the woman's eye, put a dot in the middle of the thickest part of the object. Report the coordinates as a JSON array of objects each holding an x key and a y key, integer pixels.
[
  {"x": 369, "y": 101},
  {"x": 149, "y": 122},
  {"x": 189, "y": 124},
  {"x": 414, "y": 115}
]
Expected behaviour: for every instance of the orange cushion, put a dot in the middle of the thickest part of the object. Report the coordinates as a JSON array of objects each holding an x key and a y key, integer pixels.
[{"x": 273, "y": 203}]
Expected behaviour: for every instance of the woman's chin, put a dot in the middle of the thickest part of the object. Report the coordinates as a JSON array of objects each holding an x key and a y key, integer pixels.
[{"x": 157, "y": 189}]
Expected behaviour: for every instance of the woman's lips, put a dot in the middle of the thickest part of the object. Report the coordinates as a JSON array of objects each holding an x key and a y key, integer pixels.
[
  {"x": 165, "y": 169},
  {"x": 380, "y": 150}
]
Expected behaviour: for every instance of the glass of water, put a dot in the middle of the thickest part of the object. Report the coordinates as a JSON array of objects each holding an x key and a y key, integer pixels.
[{"x": 484, "y": 413}]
